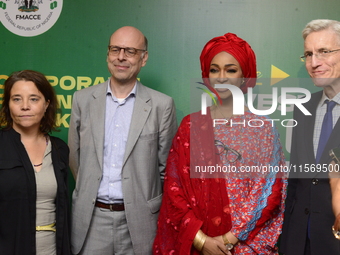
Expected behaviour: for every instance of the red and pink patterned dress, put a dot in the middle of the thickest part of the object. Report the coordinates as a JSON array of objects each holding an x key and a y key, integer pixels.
[{"x": 249, "y": 205}]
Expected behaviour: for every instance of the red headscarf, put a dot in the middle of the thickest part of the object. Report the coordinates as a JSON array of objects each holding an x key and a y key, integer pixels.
[{"x": 239, "y": 49}]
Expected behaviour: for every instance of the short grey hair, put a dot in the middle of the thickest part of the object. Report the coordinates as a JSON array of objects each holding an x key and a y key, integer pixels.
[
  {"x": 145, "y": 43},
  {"x": 321, "y": 24}
]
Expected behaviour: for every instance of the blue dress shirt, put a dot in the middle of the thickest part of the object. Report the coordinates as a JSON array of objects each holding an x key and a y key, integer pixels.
[{"x": 118, "y": 113}]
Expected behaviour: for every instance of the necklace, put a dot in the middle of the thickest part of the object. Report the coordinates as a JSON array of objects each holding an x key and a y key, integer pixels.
[
  {"x": 227, "y": 119},
  {"x": 46, "y": 145}
]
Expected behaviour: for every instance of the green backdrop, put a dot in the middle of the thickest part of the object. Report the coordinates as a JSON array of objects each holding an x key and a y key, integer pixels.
[{"x": 72, "y": 53}]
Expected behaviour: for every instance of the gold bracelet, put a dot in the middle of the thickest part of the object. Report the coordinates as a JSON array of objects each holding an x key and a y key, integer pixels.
[{"x": 199, "y": 240}]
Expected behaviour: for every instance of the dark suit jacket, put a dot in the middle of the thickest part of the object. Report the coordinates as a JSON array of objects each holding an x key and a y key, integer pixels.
[
  {"x": 309, "y": 194},
  {"x": 18, "y": 196}
]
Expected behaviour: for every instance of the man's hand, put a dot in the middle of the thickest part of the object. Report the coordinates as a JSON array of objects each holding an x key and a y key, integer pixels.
[{"x": 334, "y": 181}]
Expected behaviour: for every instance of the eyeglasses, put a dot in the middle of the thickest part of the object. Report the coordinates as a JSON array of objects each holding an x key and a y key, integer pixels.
[
  {"x": 321, "y": 54},
  {"x": 128, "y": 51},
  {"x": 231, "y": 154}
]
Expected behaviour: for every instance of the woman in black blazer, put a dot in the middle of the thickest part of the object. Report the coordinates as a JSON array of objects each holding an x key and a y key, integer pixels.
[{"x": 34, "y": 209}]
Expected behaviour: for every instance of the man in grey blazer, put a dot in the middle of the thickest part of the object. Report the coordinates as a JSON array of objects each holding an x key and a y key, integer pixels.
[
  {"x": 119, "y": 138},
  {"x": 308, "y": 220}
]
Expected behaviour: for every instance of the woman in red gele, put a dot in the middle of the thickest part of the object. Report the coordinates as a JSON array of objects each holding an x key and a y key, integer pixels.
[{"x": 236, "y": 210}]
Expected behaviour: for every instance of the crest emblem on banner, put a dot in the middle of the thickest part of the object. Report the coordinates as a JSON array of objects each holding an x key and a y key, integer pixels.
[
  {"x": 28, "y": 5},
  {"x": 29, "y": 17}
]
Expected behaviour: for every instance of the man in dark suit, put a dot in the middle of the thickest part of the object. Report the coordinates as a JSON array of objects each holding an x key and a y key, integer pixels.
[
  {"x": 119, "y": 138},
  {"x": 309, "y": 218}
]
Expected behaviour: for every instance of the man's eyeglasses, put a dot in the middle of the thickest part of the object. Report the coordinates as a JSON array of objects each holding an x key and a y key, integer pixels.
[
  {"x": 230, "y": 154},
  {"x": 321, "y": 54},
  {"x": 128, "y": 51}
]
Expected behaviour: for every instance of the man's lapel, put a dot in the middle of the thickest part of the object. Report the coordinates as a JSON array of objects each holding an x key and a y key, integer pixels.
[
  {"x": 97, "y": 117},
  {"x": 141, "y": 111},
  {"x": 309, "y": 124},
  {"x": 333, "y": 142}
]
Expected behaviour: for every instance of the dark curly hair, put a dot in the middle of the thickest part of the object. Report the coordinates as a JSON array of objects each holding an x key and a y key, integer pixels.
[{"x": 48, "y": 122}]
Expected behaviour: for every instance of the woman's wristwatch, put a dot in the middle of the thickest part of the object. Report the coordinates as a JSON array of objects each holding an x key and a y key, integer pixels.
[{"x": 226, "y": 242}]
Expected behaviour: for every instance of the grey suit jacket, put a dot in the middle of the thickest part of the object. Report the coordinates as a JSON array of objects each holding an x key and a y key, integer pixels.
[
  {"x": 152, "y": 128},
  {"x": 308, "y": 200}
]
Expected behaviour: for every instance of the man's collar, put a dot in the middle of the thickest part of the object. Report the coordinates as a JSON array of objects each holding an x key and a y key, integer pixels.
[
  {"x": 325, "y": 97},
  {"x": 132, "y": 92}
]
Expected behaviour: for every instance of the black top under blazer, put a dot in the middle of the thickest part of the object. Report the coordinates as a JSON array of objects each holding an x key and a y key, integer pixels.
[{"x": 18, "y": 196}]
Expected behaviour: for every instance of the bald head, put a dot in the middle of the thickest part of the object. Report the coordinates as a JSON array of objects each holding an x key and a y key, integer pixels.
[
  {"x": 123, "y": 65},
  {"x": 126, "y": 36}
]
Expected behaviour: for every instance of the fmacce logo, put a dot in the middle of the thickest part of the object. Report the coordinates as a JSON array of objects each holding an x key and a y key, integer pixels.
[
  {"x": 28, "y": 6},
  {"x": 238, "y": 105},
  {"x": 29, "y": 17}
]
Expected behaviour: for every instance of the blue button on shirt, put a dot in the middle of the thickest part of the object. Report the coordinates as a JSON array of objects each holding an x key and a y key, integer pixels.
[{"x": 118, "y": 115}]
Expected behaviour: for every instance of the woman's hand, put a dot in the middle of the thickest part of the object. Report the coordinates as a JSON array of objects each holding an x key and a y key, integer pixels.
[
  {"x": 219, "y": 239},
  {"x": 214, "y": 246},
  {"x": 336, "y": 225}
]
